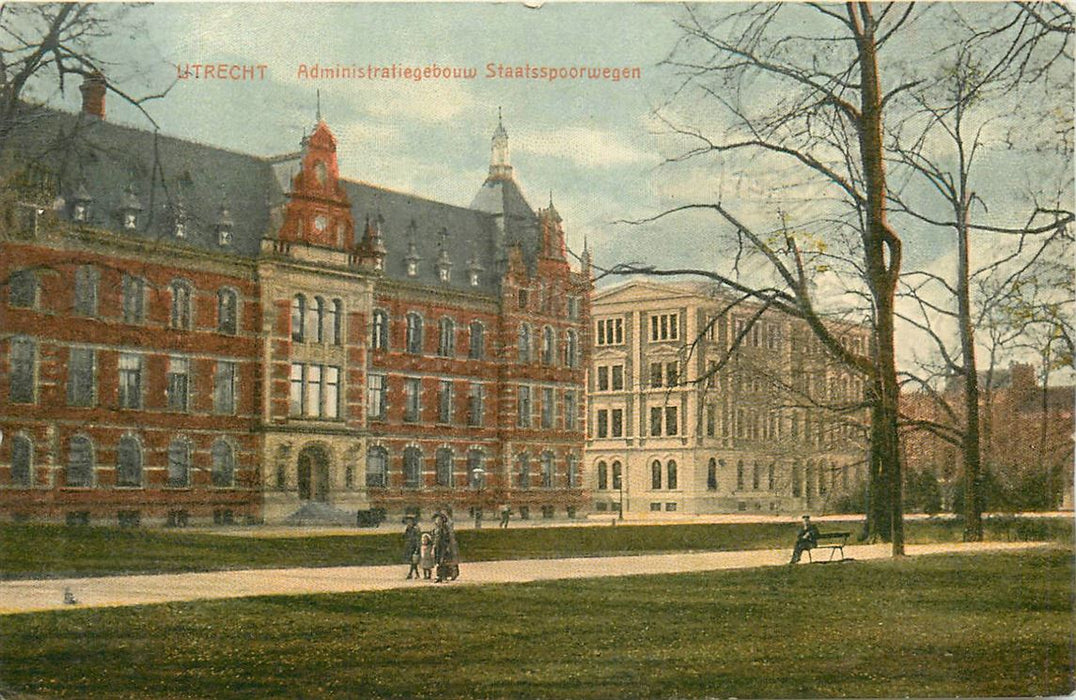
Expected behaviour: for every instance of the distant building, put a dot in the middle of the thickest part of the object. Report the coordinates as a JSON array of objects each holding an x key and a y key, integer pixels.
[
  {"x": 1026, "y": 438},
  {"x": 193, "y": 334},
  {"x": 672, "y": 431}
]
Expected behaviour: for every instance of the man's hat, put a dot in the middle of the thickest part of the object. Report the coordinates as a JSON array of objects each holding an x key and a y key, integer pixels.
[{"x": 806, "y": 517}]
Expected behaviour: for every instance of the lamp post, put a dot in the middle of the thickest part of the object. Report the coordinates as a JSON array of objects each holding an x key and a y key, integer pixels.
[{"x": 479, "y": 476}]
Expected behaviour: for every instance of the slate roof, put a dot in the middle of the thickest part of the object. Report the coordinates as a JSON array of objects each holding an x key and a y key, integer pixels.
[{"x": 166, "y": 175}]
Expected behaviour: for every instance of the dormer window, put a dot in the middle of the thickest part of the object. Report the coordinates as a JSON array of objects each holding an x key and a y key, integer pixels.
[
  {"x": 473, "y": 270},
  {"x": 412, "y": 268},
  {"x": 79, "y": 211},
  {"x": 444, "y": 266},
  {"x": 180, "y": 228},
  {"x": 474, "y": 278},
  {"x": 129, "y": 209},
  {"x": 80, "y": 205},
  {"x": 225, "y": 225},
  {"x": 411, "y": 260}
]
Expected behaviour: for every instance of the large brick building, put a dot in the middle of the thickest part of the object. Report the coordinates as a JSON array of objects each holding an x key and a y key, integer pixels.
[
  {"x": 190, "y": 333},
  {"x": 701, "y": 402}
]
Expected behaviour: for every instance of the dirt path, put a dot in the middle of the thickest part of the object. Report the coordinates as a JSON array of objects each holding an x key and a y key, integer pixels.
[{"x": 112, "y": 591}]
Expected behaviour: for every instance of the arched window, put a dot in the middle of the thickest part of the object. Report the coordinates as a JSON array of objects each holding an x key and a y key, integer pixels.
[
  {"x": 711, "y": 475},
  {"x": 227, "y": 312},
  {"x": 548, "y": 470},
  {"x": 412, "y": 468},
  {"x": 670, "y": 468},
  {"x": 603, "y": 476},
  {"x": 523, "y": 470},
  {"x": 80, "y": 461},
  {"x": 414, "y": 333},
  {"x": 549, "y": 346},
  {"x": 181, "y": 305},
  {"x": 22, "y": 461},
  {"x": 771, "y": 476},
  {"x": 179, "y": 463},
  {"x": 618, "y": 476},
  {"x": 380, "y": 337},
  {"x": 446, "y": 344},
  {"x": 129, "y": 462},
  {"x": 338, "y": 322},
  {"x": 797, "y": 481},
  {"x": 329, "y": 321},
  {"x": 377, "y": 459},
  {"x": 739, "y": 475},
  {"x": 223, "y": 464},
  {"x": 524, "y": 342},
  {"x": 316, "y": 320},
  {"x": 476, "y": 473},
  {"x": 444, "y": 467},
  {"x": 756, "y": 476},
  {"x": 808, "y": 480},
  {"x": 571, "y": 349},
  {"x": 478, "y": 341},
  {"x": 655, "y": 475},
  {"x": 298, "y": 316}
]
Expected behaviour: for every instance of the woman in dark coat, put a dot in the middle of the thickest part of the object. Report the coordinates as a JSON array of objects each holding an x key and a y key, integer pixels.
[
  {"x": 412, "y": 542},
  {"x": 446, "y": 551}
]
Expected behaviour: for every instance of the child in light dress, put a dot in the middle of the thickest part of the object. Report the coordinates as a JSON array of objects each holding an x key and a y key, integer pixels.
[{"x": 425, "y": 556}]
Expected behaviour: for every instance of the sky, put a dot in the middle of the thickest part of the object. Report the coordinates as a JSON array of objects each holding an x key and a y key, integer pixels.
[{"x": 594, "y": 146}]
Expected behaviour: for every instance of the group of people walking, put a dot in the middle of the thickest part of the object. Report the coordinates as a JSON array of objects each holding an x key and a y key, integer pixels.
[{"x": 435, "y": 552}]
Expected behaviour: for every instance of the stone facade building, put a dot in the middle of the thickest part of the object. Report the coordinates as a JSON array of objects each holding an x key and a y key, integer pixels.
[
  {"x": 192, "y": 334},
  {"x": 701, "y": 404}
]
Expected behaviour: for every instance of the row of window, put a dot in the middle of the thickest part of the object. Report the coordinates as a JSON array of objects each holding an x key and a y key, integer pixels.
[
  {"x": 24, "y": 292},
  {"x": 549, "y": 302},
  {"x": 314, "y": 391},
  {"x": 82, "y": 378},
  {"x": 80, "y": 466},
  {"x": 664, "y": 420},
  {"x": 663, "y": 327},
  {"x": 317, "y": 321},
  {"x": 413, "y": 467}
]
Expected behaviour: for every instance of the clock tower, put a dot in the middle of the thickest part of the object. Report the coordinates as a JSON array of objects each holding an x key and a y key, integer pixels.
[{"x": 318, "y": 210}]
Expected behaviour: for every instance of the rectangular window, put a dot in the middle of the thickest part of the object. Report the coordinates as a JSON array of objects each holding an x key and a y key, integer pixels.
[
  {"x": 547, "y": 408},
  {"x": 672, "y": 373},
  {"x": 22, "y": 289},
  {"x": 671, "y": 424},
  {"x": 86, "y": 290},
  {"x": 312, "y": 402},
  {"x": 445, "y": 402},
  {"x": 523, "y": 417},
  {"x": 664, "y": 327},
  {"x": 178, "y": 383},
  {"x": 617, "y": 422},
  {"x": 81, "y": 377},
  {"x": 655, "y": 507},
  {"x": 570, "y": 409},
  {"x": 130, "y": 367},
  {"x": 224, "y": 388},
  {"x": 134, "y": 299},
  {"x": 655, "y": 421},
  {"x": 23, "y": 365},
  {"x": 655, "y": 374},
  {"x": 375, "y": 396},
  {"x": 331, "y": 394},
  {"x": 295, "y": 404},
  {"x": 603, "y": 378},
  {"x": 618, "y": 377},
  {"x": 610, "y": 332},
  {"x": 412, "y": 400},
  {"x": 603, "y": 423},
  {"x": 227, "y": 312},
  {"x": 475, "y": 408}
]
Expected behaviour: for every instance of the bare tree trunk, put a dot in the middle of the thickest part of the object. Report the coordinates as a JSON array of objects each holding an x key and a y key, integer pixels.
[
  {"x": 973, "y": 498},
  {"x": 883, "y": 258}
]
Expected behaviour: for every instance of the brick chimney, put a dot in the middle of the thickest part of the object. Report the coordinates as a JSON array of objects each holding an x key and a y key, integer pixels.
[{"x": 93, "y": 94}]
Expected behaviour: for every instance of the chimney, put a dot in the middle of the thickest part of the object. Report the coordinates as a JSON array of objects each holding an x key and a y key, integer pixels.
[{"x": 93, "y": 94}]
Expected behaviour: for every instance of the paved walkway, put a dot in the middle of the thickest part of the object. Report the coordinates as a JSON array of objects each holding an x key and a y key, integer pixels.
[{"x": 113, "y": 591}]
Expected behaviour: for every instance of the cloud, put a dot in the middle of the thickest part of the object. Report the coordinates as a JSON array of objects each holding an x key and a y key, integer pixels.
[{"x": 589, "y": 148}]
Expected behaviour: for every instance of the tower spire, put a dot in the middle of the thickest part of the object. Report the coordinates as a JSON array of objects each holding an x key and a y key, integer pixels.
[{"x": 499, "y": 166}]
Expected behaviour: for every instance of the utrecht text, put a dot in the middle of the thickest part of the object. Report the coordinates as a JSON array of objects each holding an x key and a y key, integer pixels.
[
  {"x": 553, "y": 73},
  {"x": 221, "y": 71}
]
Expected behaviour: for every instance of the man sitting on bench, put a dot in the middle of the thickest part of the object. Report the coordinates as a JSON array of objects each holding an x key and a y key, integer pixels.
[{"x": 806, "y": 539}]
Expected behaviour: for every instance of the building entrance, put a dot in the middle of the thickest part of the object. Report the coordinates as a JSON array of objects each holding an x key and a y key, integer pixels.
[{"x": 314, "y": 474}]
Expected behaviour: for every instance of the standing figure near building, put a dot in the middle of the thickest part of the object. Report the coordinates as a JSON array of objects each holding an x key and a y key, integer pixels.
[
  {"x": 446, "y": 551},
  {"x": 506, "y": 514},
  {"x": 425, "y": 556},
  {"x": 807, "y": 538},
  {"x": 412, "y": 536}
]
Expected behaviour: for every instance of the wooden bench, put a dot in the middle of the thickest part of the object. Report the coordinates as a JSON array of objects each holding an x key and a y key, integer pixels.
[{"x": 834, "y": 542}]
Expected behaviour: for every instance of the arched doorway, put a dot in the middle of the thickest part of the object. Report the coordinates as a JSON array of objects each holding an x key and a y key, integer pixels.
[{"x": 314, "y": 474}]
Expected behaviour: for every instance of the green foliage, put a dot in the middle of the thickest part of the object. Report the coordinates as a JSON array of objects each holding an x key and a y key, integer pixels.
[{"x": 975, "y": 625}]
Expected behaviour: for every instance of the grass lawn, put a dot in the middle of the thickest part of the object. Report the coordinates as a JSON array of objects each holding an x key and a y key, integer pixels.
[
  {"x": 995, "y": 624},
  {"x": 39, "y": 551}
]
